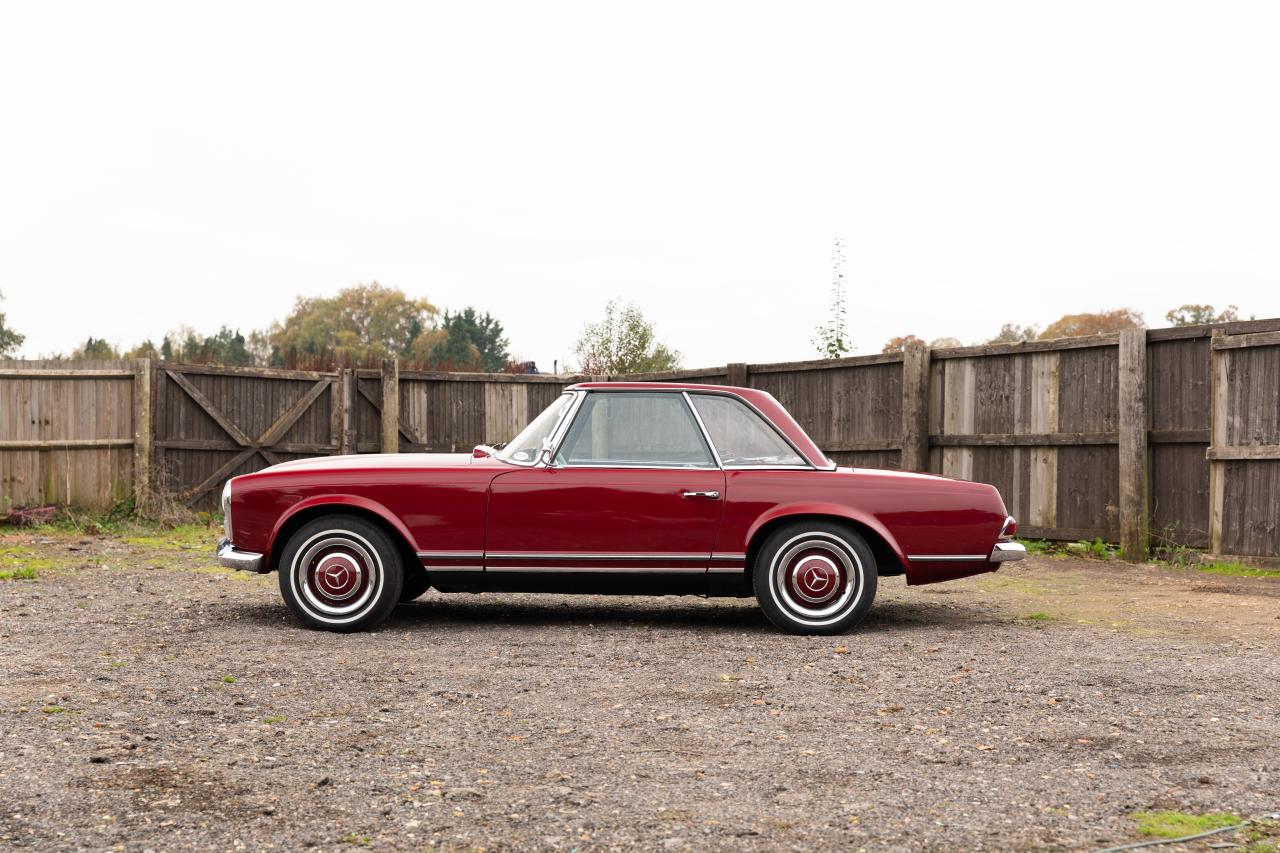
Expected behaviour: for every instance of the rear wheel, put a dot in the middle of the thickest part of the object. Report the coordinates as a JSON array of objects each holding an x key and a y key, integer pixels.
[
  {"x": 815, "y": 577},
  {"x": 341, "y": 573}
]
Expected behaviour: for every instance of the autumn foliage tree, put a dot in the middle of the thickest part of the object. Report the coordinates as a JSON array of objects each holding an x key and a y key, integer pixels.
[
  {"x": 1100, "y": 323},
  {"x": 900, "y": 343},
  {"x": 360, "y": 325}
]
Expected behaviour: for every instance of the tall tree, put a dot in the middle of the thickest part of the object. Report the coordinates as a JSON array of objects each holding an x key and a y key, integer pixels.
[
  {"x": 9, "y": 339},
  {"x": 473, "y": 341},
  {"x": 623, "y": 342},
  {"x": 1011, "y": 333},
  {"x": 362, "y": 323},
  {"x": 95, "y": 348},
  {"x": 1197, "y": 315},
  {"x": 832, "y": 339},
  {"x": 1102, "y": 322}
]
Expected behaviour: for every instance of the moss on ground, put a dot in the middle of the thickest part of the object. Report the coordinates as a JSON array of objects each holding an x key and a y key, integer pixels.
[{"x": 1167, "y": 824}]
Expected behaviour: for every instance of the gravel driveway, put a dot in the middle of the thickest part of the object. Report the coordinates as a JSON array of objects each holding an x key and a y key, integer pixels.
[{"x": 151, "y": 700}]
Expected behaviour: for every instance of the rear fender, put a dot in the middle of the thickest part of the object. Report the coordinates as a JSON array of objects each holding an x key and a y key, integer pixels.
[{"x": 818, "y": 508}]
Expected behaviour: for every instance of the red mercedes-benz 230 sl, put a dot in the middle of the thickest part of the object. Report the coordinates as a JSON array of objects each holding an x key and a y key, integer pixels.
[{"x": 637, "y": 488}]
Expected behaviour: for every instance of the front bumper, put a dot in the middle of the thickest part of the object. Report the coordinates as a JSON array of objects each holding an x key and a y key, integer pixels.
[
  {"x": 245, "y": 561},
  {"x": 1005, "y": 551}
]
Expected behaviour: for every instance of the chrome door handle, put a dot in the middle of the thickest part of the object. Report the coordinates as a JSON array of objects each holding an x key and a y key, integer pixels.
[{"x": 709, "y": 495}]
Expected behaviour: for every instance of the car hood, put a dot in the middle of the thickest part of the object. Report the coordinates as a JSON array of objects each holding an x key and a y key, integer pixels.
[{"x": 365, "y": 461}]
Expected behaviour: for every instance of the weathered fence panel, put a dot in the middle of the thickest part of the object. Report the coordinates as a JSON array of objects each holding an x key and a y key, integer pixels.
[
  {"x": 1244, "y": 453},
  {"x": 67, "y": 432},
  {"x": 212, "y": 423}
]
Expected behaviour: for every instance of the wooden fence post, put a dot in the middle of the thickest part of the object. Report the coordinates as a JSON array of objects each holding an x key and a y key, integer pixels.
[
  {"x": 347, "y": 395},
  {"x": 142, "y": 436},
  {"x": 1217, "y": 438},
  {"x": 915, "y": 408},
  {"x": 736, "y": 375},
  {"x": 1134, "y": 521},
  {"x": 390, "y": 405}
]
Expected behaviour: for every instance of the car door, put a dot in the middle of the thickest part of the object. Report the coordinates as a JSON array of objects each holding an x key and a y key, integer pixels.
[{"x": 633, "y": 487}]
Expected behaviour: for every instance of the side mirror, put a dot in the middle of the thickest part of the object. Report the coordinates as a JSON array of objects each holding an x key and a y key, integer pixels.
[{"x": 547, "y": 454}]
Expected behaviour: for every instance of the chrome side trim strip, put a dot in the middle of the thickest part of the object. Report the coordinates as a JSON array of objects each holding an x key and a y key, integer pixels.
[
  {"x": 544, "y": 555},
  {"x": 726, "y": 570},
  {"x": 728, "y": 556},
  {"x": 947, "y": 558},
  {"x": 445, "y": 555},
  {"x": 645, "y": 570},
  {"x": 466, "y": 568}
]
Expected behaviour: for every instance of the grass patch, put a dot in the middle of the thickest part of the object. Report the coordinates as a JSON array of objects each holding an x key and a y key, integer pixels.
[
  {"x": 1165, "y": 824},
  {"x": 271, "y": 721},
  {"x": 228, "y": 679},
  {"x": 180, "y": 538},
  {"x": 21, "y": 573},
  {"x": 1095, "y": 549},
  {"x": 53, "y": 709},
  {"x": 1239, "y": 570},
  {"x": 1038, "y": 616},
  {"x": 1038, "y": 546}
]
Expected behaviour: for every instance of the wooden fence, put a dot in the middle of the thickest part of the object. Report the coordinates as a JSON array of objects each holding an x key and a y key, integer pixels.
[
  {"x": 1105, "y": 436},
  {"x": 73, "y": 434}
]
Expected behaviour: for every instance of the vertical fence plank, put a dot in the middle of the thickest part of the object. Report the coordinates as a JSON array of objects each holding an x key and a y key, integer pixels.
[
  {"x": 142, "y": 436},
  {"x": 390, "y": 405},
  {"x": 958, "y": 400},
  {"x": 1042, "y": 500},
  {"x": 1218, "y": 393},
  {"x": 1134, "y": 523},
  {"x": 915, "y": 407},
  {"x": 736, "y": 374},
  {"x": 348, "y": 409}
]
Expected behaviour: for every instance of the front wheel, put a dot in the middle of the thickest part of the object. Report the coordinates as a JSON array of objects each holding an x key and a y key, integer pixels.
[
  {"x": 815, "y": 577},
  {"x": 341, "y": 573}
]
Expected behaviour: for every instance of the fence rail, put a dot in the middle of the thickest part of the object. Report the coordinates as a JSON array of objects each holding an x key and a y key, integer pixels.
[{"x": 1165, "y": 434}]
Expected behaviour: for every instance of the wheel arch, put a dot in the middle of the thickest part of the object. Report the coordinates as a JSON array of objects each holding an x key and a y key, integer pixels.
[
  {"x": 354, "y": 505},
  {"x": 889, "y": 557}
]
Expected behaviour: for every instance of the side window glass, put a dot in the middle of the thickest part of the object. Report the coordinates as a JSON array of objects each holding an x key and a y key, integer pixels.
[
  {"x": 635, "y": 428},
  {"x": 740, "y": 435}
]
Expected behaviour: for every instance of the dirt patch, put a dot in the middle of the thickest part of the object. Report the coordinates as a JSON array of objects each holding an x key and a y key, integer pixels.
[{"x": 152, "y": 700}]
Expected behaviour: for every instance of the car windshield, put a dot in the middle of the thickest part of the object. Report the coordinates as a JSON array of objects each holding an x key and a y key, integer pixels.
[{"x": 524, "y": 448}]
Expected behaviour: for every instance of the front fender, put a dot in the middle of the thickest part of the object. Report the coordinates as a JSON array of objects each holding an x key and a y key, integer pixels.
[{"x": 339, "y": 501}]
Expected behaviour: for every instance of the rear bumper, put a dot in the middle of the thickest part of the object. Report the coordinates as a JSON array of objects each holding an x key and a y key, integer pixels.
[
  {"x": 245, "y": 561},
  {"x": 1005, "y": 551}
]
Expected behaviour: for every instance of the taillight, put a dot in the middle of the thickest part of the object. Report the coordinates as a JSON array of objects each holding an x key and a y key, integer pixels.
[{"x": 1010, "y": 528}]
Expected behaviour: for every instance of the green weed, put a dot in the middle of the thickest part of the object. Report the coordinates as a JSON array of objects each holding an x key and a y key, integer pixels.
[{"x": 273, "y": 720}]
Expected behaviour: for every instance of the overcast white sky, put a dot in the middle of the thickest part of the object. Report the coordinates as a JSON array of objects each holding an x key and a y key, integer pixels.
[{"x": 207, "y": 163}]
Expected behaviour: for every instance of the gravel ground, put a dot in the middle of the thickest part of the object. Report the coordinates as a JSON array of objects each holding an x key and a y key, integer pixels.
[{"x": 151, "y": 700}]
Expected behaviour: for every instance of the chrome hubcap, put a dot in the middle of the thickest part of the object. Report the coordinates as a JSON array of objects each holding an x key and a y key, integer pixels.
[
  {"x": 337, "y": 574},
  {"x": 817, "y": 578}
]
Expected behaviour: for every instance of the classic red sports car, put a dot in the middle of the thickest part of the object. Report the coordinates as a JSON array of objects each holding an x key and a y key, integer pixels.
[{"x": 639, "y": 488}]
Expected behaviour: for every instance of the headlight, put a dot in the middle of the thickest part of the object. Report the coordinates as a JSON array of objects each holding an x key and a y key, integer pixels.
[{"x": 226, "y": 509}]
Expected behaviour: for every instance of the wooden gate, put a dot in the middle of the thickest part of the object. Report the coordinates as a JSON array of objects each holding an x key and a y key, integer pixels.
[
  {"x": 1244, "y": 450},
  {"x": 213, "y": 423}
]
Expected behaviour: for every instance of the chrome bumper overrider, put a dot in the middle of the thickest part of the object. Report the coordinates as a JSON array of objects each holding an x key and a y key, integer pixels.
[
  {"x": 1005, "y": 551},
  {"x": 245, "y": 561}
]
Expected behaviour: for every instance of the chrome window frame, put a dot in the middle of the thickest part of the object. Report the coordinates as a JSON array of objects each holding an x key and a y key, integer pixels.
[
  {"x": 805, "y": 464},
  {"x": 556, "y": 433},
  {"x": 572, "y": 416}
]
